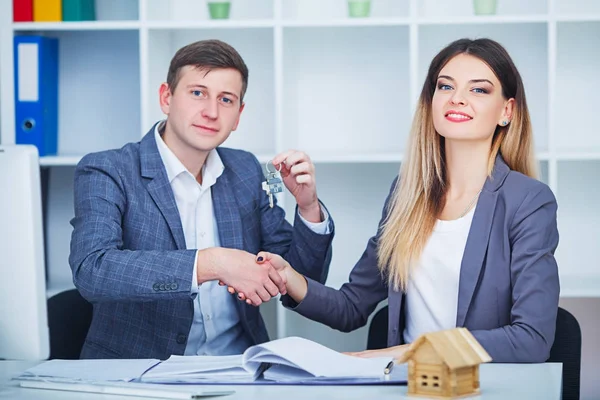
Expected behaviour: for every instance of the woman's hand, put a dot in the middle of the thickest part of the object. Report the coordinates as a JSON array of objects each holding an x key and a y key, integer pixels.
[
  {"x": 396, "y": 352},
  {"x": 296, "y": 285}
]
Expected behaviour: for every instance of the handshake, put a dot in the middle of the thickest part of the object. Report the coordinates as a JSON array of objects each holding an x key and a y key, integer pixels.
[{"x": 255, "y": 279}]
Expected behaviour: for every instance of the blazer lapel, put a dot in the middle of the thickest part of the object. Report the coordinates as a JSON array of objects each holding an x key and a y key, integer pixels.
[
  {"x": 394, "y": 309},
  {"x": 227, "y": 214},
  {"x": 478, "y": 238},
  {"x": 159, "y": 187},
  {"x": 477, "y": 243}
]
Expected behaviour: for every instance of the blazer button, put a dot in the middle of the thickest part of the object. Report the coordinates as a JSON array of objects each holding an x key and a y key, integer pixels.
[
  {"x": 162, "y": 287},
  {"x": 174, "y": 286},
  {"x": 167, "y": 286},
  {"x": 181, "y": 338},
  {"x": 156, "y": 287}
]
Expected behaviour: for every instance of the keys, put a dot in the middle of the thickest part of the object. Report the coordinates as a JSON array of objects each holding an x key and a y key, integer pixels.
[{"x": 272, "y": 184}]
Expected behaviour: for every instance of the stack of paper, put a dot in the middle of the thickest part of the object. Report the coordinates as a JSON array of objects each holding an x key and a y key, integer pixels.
[
  {"x": 202, "y": 369},
  {"x": 90, "y": 370},
  {"x": 291, "y": 359}
]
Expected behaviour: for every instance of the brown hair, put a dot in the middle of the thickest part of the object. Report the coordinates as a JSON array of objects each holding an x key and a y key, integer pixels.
[
  {"x": 419, "y": 195},
  {"x": 207, "y": 55}
]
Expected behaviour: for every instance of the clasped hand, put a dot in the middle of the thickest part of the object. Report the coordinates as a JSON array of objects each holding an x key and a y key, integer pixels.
[
  {"x": 260, "y": 282},
  {"x": 256, "y": 279}
]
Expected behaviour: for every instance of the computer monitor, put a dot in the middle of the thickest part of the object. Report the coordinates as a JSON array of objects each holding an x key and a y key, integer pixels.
[{"x": 23, "y": 315}]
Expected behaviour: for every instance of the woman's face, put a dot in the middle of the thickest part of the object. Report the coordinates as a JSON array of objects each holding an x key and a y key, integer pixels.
[{"x": 468, "y": 102}]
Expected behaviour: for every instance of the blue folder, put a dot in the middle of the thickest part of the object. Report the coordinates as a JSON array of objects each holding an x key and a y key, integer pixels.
[{"x": 36, "y": 92}]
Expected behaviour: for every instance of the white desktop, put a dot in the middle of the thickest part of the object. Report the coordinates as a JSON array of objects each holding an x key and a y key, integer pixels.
[{"x": 23, "y": 315}]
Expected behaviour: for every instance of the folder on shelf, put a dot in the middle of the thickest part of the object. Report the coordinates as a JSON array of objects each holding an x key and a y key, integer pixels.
[
  {"x": 36, "y": 92},
  {"x": 47, "y": 10},
  {"x": 78, "y": 10},
  {"x": 22, "y": 10}
]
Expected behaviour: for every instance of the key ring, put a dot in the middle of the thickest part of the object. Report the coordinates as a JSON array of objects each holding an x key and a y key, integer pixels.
[{"x": 271, "y": 162}]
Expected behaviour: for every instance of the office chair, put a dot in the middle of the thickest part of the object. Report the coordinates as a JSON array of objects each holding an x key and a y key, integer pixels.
[
  {"x": 378, "y": 330},
  {"x": 69, "y": 319},
  {"x": 566, "y": 348}
]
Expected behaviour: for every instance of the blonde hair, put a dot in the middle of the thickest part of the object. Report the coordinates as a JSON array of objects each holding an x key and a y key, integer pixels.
[{"x": 419, "y": 195}]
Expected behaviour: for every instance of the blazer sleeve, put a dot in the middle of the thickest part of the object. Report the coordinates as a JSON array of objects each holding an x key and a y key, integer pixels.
[
  {"x": 349, "y": 307},
  {"x": 102, "y": 269},
  {"x": 308, "y": 251},
  {"x": 535, "y": 284}
]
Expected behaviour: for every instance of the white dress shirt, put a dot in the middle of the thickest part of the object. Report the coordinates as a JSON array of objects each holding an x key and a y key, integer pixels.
[
  {"x": 216, "y": 327},
  {"x": 432, "y": 290}
]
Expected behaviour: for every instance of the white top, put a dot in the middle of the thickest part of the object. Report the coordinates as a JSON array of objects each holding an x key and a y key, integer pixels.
[
  {"x": 432, "y": 290},
  {"x": 216, "y": 328}
]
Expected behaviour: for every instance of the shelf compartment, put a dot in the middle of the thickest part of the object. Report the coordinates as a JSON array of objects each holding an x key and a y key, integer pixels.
[
  {"x": 256, "y": 131},
  {"x": 59, "y": 211},
  {"x": 577, "y": 7},
  {"x": 99, "y": 91},
  {"x": 578, "y": 220},
  {"x": 577, "y": 65},
  {"x": 197, "y": 10},
  {"x": 313, "y": 10},
  {"x": 346, "y": 90},
  {"x": 465, "y": 8},
  {"x": 527, "y": 44}
]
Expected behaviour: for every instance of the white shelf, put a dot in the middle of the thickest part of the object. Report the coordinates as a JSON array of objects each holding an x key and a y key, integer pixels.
[
  {"x": 76, "y": 26},
  {"x": 60, "y": 161},
  {"x": 356, "y": 158},
  {"x": 54, "y": 289},
  {"x": 347, "y": 22},
  {"x": 578, "y": 18},
  {"x": 578, "y": 156},
  {"x": 208, "y": 24},
  {"x": 72, "y": 160},
  {"x": 573, "y": 286},
  {"x": 481, "y": 19}
]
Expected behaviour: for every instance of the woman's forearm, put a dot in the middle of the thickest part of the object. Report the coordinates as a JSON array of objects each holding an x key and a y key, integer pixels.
[{"x": 296, "y": 285}]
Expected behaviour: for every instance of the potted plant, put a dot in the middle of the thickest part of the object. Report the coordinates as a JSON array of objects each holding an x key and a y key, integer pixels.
[
  {"x": 219, "y": 9},
  {"x": 484, "y": 7},
  {"x": 359, "y": 8}
]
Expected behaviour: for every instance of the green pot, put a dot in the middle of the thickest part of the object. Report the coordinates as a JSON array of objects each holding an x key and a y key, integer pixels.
[
  {"x": 359, "y": 8},
  {"x": 484, "y": 7},
  {"x": 219, "y": 9}
]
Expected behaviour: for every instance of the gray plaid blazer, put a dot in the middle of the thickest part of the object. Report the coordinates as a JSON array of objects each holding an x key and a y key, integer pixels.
[{"x": 128, "y": 253}]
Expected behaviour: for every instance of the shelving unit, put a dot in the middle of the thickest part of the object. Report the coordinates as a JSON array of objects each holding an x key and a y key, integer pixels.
[{"x": 342, "y": 89}]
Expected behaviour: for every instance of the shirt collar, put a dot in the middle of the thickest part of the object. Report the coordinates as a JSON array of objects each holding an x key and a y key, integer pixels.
[{"x": 211, "y": 170}]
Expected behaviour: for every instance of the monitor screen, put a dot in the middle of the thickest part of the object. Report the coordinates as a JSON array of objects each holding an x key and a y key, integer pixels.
[{"x": 23, "y": 316}]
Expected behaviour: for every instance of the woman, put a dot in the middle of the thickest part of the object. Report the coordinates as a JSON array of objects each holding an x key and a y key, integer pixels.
[{"x": 467, "y": 235}]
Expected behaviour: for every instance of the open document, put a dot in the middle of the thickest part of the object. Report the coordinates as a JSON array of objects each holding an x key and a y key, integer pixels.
[
  {"x": 284, "y": 361},
  {"x": 292, "y": 359}
]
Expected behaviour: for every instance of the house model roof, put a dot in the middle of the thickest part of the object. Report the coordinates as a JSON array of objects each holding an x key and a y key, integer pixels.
[{"x": 457, "y": 348}]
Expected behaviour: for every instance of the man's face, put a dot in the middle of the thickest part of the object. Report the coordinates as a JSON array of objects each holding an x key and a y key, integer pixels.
[{"x": 203, "y": 110}]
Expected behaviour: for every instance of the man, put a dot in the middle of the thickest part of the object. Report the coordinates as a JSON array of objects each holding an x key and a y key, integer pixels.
[{"x": 159, "y": 223}]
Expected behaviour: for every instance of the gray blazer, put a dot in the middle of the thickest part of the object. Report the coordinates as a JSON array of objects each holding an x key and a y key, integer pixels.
[{"x": 508, "y": 290}]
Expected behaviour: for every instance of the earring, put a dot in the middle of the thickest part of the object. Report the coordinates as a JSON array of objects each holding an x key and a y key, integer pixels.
[{"x": 504, "y": 123}]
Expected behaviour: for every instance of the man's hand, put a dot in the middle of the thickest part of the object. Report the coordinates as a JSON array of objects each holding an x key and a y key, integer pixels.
[
  {"x": 298, "y": 175},
  {"x": 296, "y": 284},
  {"x": 239, "y": 270}
]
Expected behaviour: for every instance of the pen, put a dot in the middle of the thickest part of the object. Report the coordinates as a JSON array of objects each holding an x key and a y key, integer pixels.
[{"x": 389, "y": 367}]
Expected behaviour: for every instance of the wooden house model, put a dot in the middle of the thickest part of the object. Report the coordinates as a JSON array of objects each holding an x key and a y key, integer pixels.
[{"x": 444, "y": 364}]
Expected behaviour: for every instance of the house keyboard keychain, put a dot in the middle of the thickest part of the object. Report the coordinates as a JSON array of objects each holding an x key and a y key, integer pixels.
[{"x": 273, "y": 183}]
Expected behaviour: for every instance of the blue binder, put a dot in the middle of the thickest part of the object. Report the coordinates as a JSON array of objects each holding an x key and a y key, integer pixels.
[{"x": 36, "y": 92}]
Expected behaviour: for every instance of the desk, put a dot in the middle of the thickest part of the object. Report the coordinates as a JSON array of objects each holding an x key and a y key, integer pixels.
[{"x": 498, "y": 382}]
